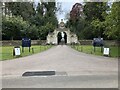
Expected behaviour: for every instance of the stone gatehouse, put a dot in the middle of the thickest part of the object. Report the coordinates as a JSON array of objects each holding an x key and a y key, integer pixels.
[{"x": 62, "y": 35}]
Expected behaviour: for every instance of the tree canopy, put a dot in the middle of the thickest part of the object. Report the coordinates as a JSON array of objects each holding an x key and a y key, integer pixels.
[
  {"x": 113, "y": 22},
  {"x": 26, "y": 21},
  {"x": 95, "y": 19}
]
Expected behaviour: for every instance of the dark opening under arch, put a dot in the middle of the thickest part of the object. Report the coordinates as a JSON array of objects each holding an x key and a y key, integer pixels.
[{"x": 59, "y": 37}]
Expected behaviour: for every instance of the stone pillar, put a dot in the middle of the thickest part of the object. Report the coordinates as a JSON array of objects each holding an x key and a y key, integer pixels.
[
  {"x": 68, "y": 37},
  {"x": 55, "y": 40}
]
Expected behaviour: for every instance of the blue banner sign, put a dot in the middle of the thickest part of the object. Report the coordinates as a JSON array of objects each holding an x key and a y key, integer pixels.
[
  {"x": 26, "y": 42},
  {"x": 98, "y": 42}
]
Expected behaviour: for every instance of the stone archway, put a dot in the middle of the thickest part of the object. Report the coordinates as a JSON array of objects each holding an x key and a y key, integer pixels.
[{"x": 56, "y": 37}]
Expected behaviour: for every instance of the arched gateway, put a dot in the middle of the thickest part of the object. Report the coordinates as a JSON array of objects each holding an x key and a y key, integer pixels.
[{"x": 62, "y": 35}]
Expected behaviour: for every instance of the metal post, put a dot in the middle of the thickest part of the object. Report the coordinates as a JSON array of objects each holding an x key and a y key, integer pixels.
[
  {"x": 81, "y": 48},
  {"x": 29, "y": 49},
  {"x": 94, "y": 49},
  {"x": 22, "y": 49},
  {"x": 32, "y": 50},
  {"x": 40, "y": 48},
  {"x": 101, "y": 49}
]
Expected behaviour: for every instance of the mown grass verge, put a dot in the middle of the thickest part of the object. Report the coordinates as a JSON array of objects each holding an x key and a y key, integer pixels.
[
  {"x": 6, "y": 52},
  {"x": 89, "y": 49}
]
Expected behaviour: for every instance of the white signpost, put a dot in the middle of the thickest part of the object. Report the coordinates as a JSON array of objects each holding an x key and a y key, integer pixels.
[
  {"x": 17, "y": 51},
  {"x": 106, "y": 51}
]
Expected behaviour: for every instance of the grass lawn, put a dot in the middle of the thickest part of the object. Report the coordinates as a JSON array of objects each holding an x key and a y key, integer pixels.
[
  {"x": 89, "y": 49},
  {"x": 6, "y": 52}
]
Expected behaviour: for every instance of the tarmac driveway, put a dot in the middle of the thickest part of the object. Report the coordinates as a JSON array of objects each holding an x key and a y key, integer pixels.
[{"x": 74, "y": 69}]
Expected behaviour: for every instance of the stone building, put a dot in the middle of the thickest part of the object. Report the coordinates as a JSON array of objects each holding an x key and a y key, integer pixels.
[{"x": 62, "y": 35}]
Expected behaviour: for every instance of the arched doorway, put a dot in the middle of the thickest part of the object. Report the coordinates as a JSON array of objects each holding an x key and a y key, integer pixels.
[
  {"x": 62, "y": 38},
  {"x": 59, "y": 37},
  {"x": 65, "y": 37}
]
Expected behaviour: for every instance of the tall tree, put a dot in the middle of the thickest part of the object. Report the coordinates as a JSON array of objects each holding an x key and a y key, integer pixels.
[
  {"x": 45, "y": 18},
  {"x": 76, "y": 12},
  {"x": 95, "y": 13},
  {"x": 113, "y": 22},
  {"x": 88, "y": 20},
  {"x": 76, "y": 17}
]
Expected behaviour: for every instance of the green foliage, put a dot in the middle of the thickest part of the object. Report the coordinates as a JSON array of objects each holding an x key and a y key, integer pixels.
[
  {"x": 99, "y": 28},
  {"x": 95, "y": 13},
  {"x": 91, "y": 23},
  {"x": 12, "y": 26},
  {"x": 16, "y": 28},
  {"x": 23, "y": 9},
  {"x": 95, "y": 10},
  {"x": 87, "y": 32},
  {"x": 44, "y": 30},
  {"x": 113, "y": 22},
  {"x": 32, "y": 32},
  {"x": 26, "y": 22},
  {"x": 46, "y": 22}
]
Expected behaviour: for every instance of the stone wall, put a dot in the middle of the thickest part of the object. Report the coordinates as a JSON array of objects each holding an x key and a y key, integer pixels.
[
  {"x": 19, "y": 42},
  {"x": 85, "y": 42},
  {"x": 106, "y": 42},
  {"x": 43, "y": 42}
]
